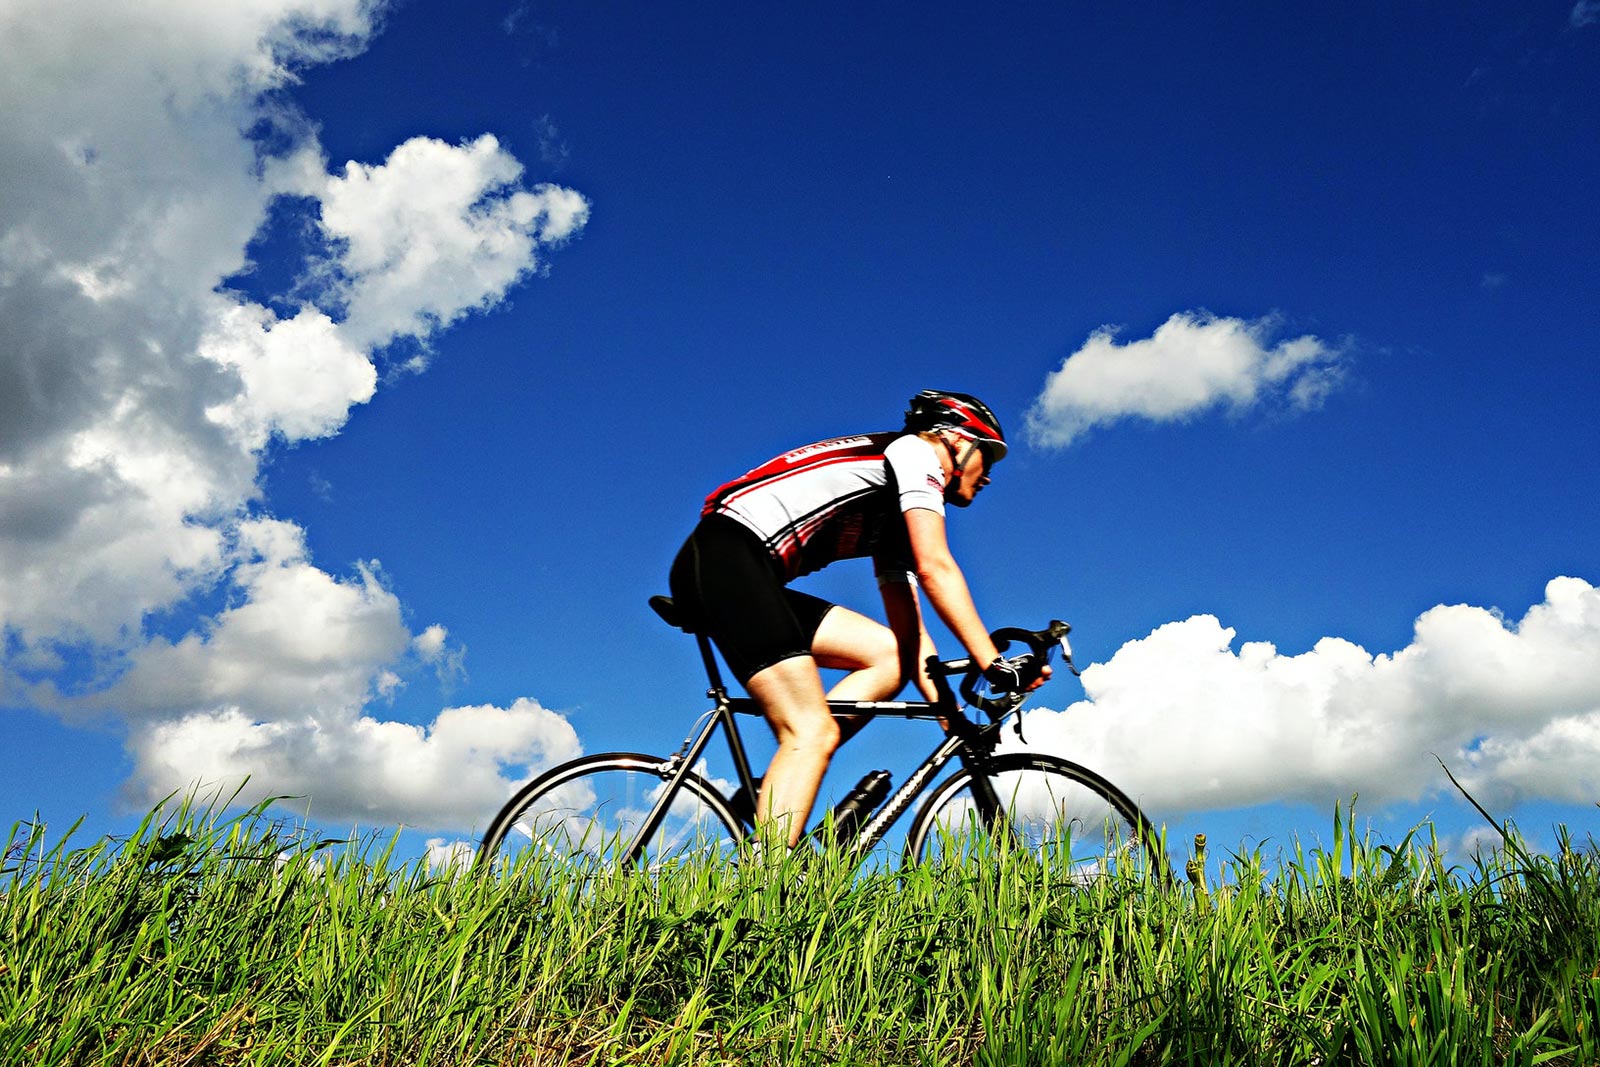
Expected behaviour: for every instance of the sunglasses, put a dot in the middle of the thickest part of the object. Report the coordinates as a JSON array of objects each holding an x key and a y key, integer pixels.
[{"x": 982, "y": 450}]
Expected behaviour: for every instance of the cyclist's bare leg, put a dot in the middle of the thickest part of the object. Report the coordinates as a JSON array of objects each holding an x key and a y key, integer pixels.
[
  {"x": 790, "y": 693},
  {"x": 791, "y": 697},
  {"x": 850, "y": 641}
]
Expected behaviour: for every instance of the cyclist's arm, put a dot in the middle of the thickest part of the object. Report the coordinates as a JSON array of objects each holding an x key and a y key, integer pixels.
[
  {"x": 911, "y": 637},
  {"x": 946, "y": 587}
]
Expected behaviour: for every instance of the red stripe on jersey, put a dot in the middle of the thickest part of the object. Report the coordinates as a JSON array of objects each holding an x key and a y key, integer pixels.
[
  {"x": 779, "y": 478},
  {"x": 809, "y": 458}
]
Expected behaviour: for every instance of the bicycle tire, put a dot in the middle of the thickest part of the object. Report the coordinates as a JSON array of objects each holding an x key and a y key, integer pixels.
[
  {"x": 1058, "y": 810},
  {"x": 584, "y": 813}
]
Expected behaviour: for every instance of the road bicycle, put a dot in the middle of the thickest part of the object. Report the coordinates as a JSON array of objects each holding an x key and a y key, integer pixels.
[{"x": 631, "y": 809}]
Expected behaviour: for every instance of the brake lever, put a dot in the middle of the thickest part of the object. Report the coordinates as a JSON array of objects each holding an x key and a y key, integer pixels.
[{"x": 1058, "y": 631}]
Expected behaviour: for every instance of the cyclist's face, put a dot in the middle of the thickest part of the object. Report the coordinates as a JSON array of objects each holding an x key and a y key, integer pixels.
[{"x": 969, "y": 475}]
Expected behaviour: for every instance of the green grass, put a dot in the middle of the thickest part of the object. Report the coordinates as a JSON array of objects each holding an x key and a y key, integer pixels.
[{"x": 208, "y": 940}]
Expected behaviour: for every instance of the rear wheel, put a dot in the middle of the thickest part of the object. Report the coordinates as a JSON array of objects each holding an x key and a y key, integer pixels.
[
  {"x": 1062, "y": 813},
  {"x": 586, "y": 813}
]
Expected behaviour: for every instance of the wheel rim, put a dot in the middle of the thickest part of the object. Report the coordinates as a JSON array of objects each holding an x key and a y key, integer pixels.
[
  {"x": 1062, "y": 821},
  {"x": 589, "y": 819}
]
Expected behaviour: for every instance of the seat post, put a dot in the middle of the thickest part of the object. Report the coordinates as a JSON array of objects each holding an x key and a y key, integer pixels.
[{"x": 717, "y": 692}]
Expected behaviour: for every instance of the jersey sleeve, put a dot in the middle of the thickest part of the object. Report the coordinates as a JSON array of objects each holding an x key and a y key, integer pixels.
[
  {"x": 917, "y": 474},
  {"x": 919, "y": 480}
]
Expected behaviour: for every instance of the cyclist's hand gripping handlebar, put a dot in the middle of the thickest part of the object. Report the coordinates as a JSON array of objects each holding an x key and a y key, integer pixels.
[{"x": 999, "y": 687}]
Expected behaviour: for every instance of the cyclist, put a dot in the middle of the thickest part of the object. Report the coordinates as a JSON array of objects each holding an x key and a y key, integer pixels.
[{"x": 881, "y": 495}]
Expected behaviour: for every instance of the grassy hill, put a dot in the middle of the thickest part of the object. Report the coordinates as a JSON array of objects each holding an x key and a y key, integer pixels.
[{"x": 210, "y": 941}]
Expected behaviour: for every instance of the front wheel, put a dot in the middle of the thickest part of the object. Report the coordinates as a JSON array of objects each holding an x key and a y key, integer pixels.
[
  {"x": 586, "y": 813},
  {"x": 1053, "y": 808}
]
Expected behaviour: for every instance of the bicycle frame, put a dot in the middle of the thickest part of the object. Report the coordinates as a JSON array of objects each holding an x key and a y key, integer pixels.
[
  {"x": 1078, "y": 799},
  {"x": 964, "y": 740}
]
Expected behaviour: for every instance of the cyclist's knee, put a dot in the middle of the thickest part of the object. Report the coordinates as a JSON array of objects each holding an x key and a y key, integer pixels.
[
  {"x": 852, "y": 642},
  {"x": 815, "y": 734},
  {"x": 883, "y": 652},
  {"x": 878, "y": 654}
]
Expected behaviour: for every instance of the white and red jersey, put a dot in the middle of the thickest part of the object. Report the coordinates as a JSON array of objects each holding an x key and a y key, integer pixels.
[{"x": 838, "y": 499}]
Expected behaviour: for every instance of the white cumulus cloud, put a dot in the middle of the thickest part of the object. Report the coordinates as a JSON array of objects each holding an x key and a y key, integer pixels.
[
  {"x": 298, "y": 643},
  {"x": 449, "y": 857},
  {"x": 454, "y": 773},
  {"x": 278, "y": 690},
  {"x": 298, "y": 377},
  {"x": 1186, "y": 722},
  {"x": 127, "y": 193},
  {"x": 438, "y": 230},
  {"x": 1194, "y": 363},
  {"x": 141, "y": 148}
]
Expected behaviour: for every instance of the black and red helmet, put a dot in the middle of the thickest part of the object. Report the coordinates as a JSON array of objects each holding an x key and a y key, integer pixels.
[{"x": 934, "y": 409}]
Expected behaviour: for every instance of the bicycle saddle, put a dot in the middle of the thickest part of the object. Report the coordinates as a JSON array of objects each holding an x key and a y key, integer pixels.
[{"x": 670, "y": 614}]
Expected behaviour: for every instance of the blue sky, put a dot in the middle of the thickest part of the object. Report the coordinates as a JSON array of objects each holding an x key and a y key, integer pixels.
[{"x": 362, "y": 368}]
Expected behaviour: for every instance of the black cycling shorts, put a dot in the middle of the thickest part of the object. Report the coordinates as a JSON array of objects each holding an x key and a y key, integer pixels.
[{"x": 728, "y": 586}]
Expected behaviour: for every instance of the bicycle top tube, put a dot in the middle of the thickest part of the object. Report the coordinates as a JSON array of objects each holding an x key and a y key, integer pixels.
[
  {"x": 894, "y": 709},
  {"x": 1042, "y": 646}
]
